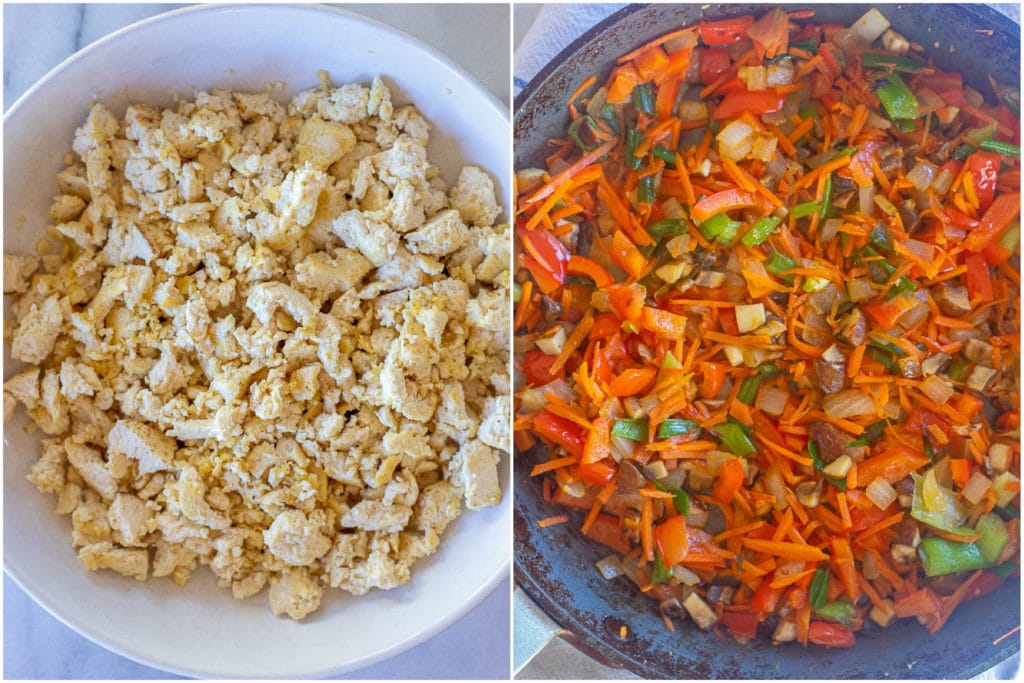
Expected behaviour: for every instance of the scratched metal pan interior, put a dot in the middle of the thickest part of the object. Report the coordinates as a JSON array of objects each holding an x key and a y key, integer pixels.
[{"x": 555, "y": 565}]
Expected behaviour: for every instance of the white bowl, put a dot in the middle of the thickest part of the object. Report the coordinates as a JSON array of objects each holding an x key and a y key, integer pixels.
[{"x": 199, "y": 629}]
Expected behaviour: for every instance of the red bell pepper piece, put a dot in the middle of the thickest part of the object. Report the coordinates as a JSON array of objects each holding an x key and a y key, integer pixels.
[
  {"x": 606, "y": 531},
  {"x": 714, "y": 61},
  {"x": 547, "y": 250},
  {"x": 729, "y": 481},
  {"x": 626, "y": 255},
  {"x": 979, "y": 279},
  {"x": 597, "y": 473},
  {"x": 633, "y": 381},
  {"x": 919, "y": 421},
  {"x": 830, "y": 634},
  {"x": 663, "y": 323},
  {"x": 760, "y": 102},
  {"x": 726, "y": 31},
  {"x": 560, "y": 431},
  {"x": 537, "y": 368},
  {"x": 672, "y": 540},
  {"x": 721, "y": 202},
  {"x": 984, "y": 169},
  {"x": 892, "y": 465},
  {"x": 1004, "y": 211},
  {"x": 541, "y": 275},
  {"x": 765, "y": 598},
  {"x": 605, "y": 326},
  {"x": 627, "y": 301},
  {"x": 598, "y": 445},
  {"x": 740, "y": 624},
  {"x": 584, "y": 267},
  {"x": 712, "y": 378}
]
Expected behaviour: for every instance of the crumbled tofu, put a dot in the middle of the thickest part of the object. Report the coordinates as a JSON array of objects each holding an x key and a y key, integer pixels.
[
  {"x": 148, "y": 446},
  {"x": 105, "y": 555},
  {"x": 265, "y": 338},
  {"x": 372, "y": 515},
  {"x": 17, "y": 270},
  {"x": 295, "y": 593},
  {"x": 92, "y": 468},
  {"x": 477, "y": 472},
  {"x": 37, "y": 331},
  {"x": 296, "y": 539},
  {"x": 131, "y": 517},
  {"x": 473, "y": 197}
]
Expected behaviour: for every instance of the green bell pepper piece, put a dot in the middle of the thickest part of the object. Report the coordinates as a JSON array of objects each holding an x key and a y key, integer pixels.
[{"x": 940, "y": 556}]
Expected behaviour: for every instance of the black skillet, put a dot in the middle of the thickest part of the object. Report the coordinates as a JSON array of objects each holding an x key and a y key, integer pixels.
[{"x": 555, "y": 565}]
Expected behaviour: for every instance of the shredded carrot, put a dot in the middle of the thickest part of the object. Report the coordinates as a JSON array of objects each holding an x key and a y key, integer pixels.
[
  {"x": 551, "y": 521},
  {"x": 550, "y": 465}
]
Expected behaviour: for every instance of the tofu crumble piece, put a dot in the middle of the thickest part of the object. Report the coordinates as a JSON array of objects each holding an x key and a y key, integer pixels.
[{"x": 266, "y": 338}]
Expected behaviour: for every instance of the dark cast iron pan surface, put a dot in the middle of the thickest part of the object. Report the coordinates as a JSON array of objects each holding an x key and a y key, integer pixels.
[{"x": 555, "y": 565}]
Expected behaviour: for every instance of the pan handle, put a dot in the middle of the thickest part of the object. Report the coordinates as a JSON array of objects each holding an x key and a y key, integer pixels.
[{"x": 533, "y": 630}]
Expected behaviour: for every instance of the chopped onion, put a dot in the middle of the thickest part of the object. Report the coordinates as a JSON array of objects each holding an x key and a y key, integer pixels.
[
  {"x": 690, "y": 111},
  {"x": 774, "y": 484},
  {"x": 870, "y": 26},
  {"x": 922, "y": 250},
  {"x": 976, "y": 488},
  {"x": 915, "y": 313},
  {"x": 781, "y": 73},
  {"x": 736, "y": 140},
  {"x": 533, "y": 399},
  {"x": 937, "y": 389},
  {"x": 860, "y": 289},
  {"x": 552, "y": 341},
  {"x": 610, "y": 567},
  {"x": 633, "y": 407},
  {"x": 529, "y": 178},
  {"x": 943, "y": 181},
  {"x": 866, "y": 195},
  {"x": 885, "y": 205},
  {"x": 596, "y": 105},
  {"x": 772, "y": 400},
  {"x": 683, "y": 41},
  {"x": 698, "y": 517},
  {"x": 848, "y": 403},
  {"x": 672, "y": 209},
  {"x": 868, "y": 567},
  {"x": 830, "y": 229},
  {"x": 881, "y": 493},
  {"x": 922, "y": 175},
  {"x": 686, "y": 576},
  {"x": 764, "y": 147},
  {"x": 622, "y": 448},
  {"x": 790, "y": 568},
  {"x": 754, "y": 77}
]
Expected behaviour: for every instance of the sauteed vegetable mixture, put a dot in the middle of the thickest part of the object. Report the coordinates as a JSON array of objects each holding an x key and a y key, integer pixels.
[{"x": 767, "y": 326}]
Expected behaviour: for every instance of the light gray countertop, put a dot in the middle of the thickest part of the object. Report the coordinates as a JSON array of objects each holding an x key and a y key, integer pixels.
[{"x": 37, "y": 38}]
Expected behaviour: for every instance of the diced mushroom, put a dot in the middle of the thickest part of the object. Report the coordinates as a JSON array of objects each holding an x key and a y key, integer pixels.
[
  {"x": 853, "y": 327},
  {"x": 980, "y": 377},
  {"x": 809, "y": 493},
  {"x": 977, "y": 350},
  {"x": 830, "y": 377},
  {"x": 952, "y": 299},
  {"x": 831, "y": 440},
  {"x": 700, "y": 612},
  {"x": 934, "y": 364}
]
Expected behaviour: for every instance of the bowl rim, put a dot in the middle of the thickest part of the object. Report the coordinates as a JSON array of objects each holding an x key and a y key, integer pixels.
[{"x": 503, "y": 571}]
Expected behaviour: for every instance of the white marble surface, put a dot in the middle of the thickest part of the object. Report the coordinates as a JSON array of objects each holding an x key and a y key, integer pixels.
[{"x": 37, "y": 38}]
